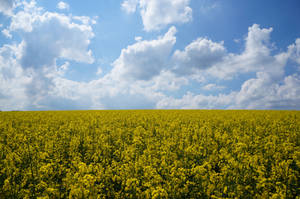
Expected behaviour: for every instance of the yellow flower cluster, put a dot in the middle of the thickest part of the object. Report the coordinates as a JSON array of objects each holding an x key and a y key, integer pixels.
[{"x": 150, "y": 154}]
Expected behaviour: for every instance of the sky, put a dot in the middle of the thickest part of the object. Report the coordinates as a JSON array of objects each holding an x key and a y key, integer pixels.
[{"x": 149, "y": 54}]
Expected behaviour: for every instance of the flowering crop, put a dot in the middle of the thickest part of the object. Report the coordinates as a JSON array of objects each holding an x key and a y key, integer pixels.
[{"x": 150, "y": 154}]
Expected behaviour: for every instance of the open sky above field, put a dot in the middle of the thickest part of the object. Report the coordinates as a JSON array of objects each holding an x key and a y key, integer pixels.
[{"x": 147, "y": 54}]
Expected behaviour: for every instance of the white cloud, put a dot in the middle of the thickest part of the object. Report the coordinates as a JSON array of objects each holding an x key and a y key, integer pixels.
[
  {"x": 6, "y": 33},
  {"x": 294, "y": 50},
  {"x": 270, "y": 89},
  {"x": 65, "y": 40},
  {"x": 40, "y": 83},
  {"x": 156, "y": 14},
  {"x": 290, "y": 90},
  {"x": 24, "y": 18},
  {"x": 138, "y": 38},
  {"x": 199, "y": 55},
  {"x": 63, "y": 5},
  {"x": 144, "y": 59},
  {"x": 7, "y": 6},
  {"x": 85, "y": 20},
  {"x": 12, "y": 79},
  {"x": 106, "y": 93},
  {"x": 129, "y": 5},
  {"x": 264, "y": 93},
  {"x": 254, "y": 91},
  {"x": 261, "y": 92},
  {"x": 210, "y": 87},
  {"x": 204, "y": 58},
  {"x": 167, "y": 81},
  {"x": 46, "y": 37},
  {"x": 258, "y": 40},
  {"x": 192, "y": 101},
  {"x": 256, "y": 57}
]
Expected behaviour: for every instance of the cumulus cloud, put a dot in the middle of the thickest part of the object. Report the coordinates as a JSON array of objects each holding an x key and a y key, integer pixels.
[
  {"x": 157, "y": 14},
  {"x": 63, "y": 5},
  {"x": 198, "y": 55},
  {"x": 45, "y": 45},
  {"x": 257, "y": 56},
  {"x": 263, "y": 93},
  {"x": 144, "y": 59},
  {"x": 46, "y": 37},
  {"x": 206, "y": 58},
  {"x": 269, "y": 89},
  {"x": 25, "y": 17},
  {"x": 12, "y": 79},
  {"x": 257, "y": 40}
]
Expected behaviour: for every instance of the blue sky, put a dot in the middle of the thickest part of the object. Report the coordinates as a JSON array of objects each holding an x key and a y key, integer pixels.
[{"x": 149, "y": 54}]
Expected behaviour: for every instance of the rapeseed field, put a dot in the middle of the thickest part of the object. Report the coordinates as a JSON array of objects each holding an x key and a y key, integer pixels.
[{"x": 150, "y": 154}]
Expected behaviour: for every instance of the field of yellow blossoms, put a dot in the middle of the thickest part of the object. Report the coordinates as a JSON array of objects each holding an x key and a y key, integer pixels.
[{"x": 150, "y": 154}]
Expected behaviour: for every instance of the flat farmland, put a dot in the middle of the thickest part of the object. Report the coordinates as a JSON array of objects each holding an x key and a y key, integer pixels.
[{"x": 150, "y": 154}]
